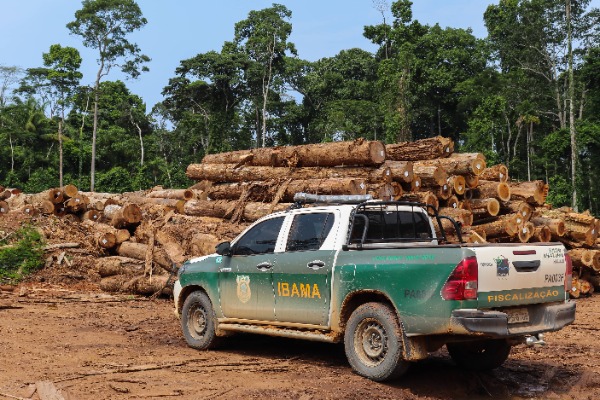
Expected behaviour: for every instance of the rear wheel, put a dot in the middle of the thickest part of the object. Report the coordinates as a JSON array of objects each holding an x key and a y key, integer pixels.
[
  {"x": 481, "y": 354},
  {"x": 373, "y": 342},
  {"x": 198, "y": 321}
]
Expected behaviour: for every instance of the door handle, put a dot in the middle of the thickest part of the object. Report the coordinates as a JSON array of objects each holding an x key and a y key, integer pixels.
[
  {"x": 315, "y": 265},
  {"x": 264, "y": 266},
  {"x": 526, "y": 266}
]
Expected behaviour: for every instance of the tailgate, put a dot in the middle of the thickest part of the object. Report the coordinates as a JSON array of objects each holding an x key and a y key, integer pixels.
[{"x": 511, "y": 275}]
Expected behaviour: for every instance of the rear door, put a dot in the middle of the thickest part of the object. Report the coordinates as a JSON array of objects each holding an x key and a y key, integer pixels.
[{"x": 517, "y": 275}]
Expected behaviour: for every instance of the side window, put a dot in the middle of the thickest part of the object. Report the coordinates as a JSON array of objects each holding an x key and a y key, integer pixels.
[
  {"x": 392, "y": 226},
  {"x": 261, "y": 239},
  {"x": 309, "y": 231}
]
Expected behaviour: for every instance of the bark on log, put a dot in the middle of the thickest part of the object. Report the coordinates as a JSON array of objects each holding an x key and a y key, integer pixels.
[
  {"x": 225, "y": 209},
  {"x": 284, "y": 190},
  {"x": 202, "y": 244},
  {"x": 424, "y": 149},
  {"x": 358, "y": 152},
  {"x": 457, "y": 164},
  {"x": 382, "y": 191},
  {"x": 177, "y": 194},
  {"x": 138, "y": 251},
  {"x": 414, "y": 185},
  {"x": 117, "y": 265},
  {"x": 465, "y": 217},
  {"x": 556, "y": 225},
  {"x": 431, "y": 175},
  {"x": 401, "y": 171},
  {"x": 92, "y": 215},
  {"x": 227, "y": 173},
  {"x": 5, "y": 194},
  {"x": 484, "y": 207},
  {"x": 533, "y": 192},
  {"x": 488, "y": 189},
  {"x": 581, "y": 257},
  {"x": 579, "y": 227},
  {"x": 171, "y": 246},
  {"x": 422, "y": 197},
  {"x": 497, "y": 172},
  {"x": 121, "y": 217},
  {"x": 503, "y": 226},
  {"x": 518, "y": 207}
]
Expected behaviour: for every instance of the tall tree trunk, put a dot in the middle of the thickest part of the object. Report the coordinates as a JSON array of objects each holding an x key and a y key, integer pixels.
[
  {"x": 94, "y": 133},
  {"x": 572, "y": 108},
  {"x": 60, "y": 150}
]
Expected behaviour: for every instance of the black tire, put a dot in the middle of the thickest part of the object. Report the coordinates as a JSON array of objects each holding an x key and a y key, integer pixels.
[
  {"x": 198, "y": 322},
  {"x": 374, "y": 344},
  {"x": 480, "y": 354}
]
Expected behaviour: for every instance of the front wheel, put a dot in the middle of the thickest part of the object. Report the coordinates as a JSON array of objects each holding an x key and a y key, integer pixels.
[
  {"x": 373, "y": 342},
  {"x": 198, "y": 321},
  {"x": 480, "y": 354}
]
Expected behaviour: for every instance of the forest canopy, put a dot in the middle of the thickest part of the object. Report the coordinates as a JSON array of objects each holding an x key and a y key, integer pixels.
[{"x": 527, "y": 95}]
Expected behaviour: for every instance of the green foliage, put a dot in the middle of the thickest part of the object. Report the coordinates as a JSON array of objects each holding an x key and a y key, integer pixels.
[{"x": 21, "y": 254}]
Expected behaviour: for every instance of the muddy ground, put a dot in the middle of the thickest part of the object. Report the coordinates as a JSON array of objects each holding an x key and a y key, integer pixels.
[{"x": 84, "y": 344}]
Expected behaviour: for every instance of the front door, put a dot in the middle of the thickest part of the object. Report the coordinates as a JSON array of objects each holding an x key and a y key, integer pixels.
[
  {"x": 246, "y": 277},
  {"x": 302, "y": 276}
]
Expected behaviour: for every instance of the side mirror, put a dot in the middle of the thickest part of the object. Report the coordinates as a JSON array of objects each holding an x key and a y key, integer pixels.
[{"x": 224, "y": 249}]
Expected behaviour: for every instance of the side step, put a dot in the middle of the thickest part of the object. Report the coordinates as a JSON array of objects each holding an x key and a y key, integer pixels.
[{"x": 316, "y": 336}]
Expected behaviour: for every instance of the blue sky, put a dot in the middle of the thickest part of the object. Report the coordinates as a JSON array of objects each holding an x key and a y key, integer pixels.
[{"x": 180, "y": 29}]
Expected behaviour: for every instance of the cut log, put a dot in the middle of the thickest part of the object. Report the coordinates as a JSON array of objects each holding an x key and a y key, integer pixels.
[
  {"x": 106, "y": 240},
  {"x": 472, "y": 181},
  {"x": 579, "y": 227},
  {"x": 523, "y": 208},
  {"x": 172, "y": 247},
  {"x": 424, "y": 149},
  {"x": 422, "y": 197},
  {"x": 444, "y": 192},
  {"x": 581, "y": 257},
  {"x": 533, "y": 192},
  {"x": 504, "y": 225},
  {"x": 556, "y": 225},
  {"x": 267, "y": 191},
  {"x": 70, "y": 190},
  {"x": 458, "y": 184},
  {"x": 56, "y": 196},
  {"x": 401, "y": 171},
  {"x": 431, "y": 175},
  {"x": 526, "y": 231},
  {"x": 452, "y": 202},
  {"x": 227, "y": 173},
  {"x": 497, "y": 172},
  {"x": 465, "y": 217},
  {"x": 484, "y": 207},
  {"x": 225, "y": 209},
  {"x": 457, "y": 164},
  {"x": 5, "y": 194},
  {"x": 117, "y": 265},
  {"x": 148, "y": 286},
  {"x": 358, "y": 152},
  {"x": 92, "y": 215},
  {"x": 382, "y": 191},
  {"x": 177, "y": 194},
  {"x": 489, "y": 189},
  {"x": 542, "y": 234},
  {"x": 4, "y": 209},
  {"x": 414, "y": 185},
  {"x": 138, "y": 251},
  {"x": 121, "y": 217}
]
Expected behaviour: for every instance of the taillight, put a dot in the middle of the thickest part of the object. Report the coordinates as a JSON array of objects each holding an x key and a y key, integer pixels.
[
  {"x": 462, "y": 283},
  {"x": 568, "y": 274}
]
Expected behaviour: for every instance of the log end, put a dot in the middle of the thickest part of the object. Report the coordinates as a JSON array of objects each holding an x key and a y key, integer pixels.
[
  {"x": 377, "y": 152},
  {"x": 493, "y": 207},
  {"x": 503, "y": 191}
]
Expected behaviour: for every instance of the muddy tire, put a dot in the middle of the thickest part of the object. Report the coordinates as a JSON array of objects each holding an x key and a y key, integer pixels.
[
  {"x": 374, "y": 344},
  {"x": 479, "y": 355},
  {"x": 198, "y": 322}
]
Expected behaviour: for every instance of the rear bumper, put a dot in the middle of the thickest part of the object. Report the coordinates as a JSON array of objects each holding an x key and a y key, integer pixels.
[{"x": 542, "y": 318}]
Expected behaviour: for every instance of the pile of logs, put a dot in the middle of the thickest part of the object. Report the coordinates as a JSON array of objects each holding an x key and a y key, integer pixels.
[
  {"x": 244, "y": 185},
  {"x": 142, "y": 235}
]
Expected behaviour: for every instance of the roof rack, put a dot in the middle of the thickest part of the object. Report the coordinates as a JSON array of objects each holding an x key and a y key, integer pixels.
[{"x": 308, "y": 198}]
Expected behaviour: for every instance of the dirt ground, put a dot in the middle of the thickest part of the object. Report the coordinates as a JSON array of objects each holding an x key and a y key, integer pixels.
[{"x": 89, "y": 345}]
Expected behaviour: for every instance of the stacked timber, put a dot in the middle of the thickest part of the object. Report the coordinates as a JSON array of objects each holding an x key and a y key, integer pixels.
[{"x": 141, "y": 237}]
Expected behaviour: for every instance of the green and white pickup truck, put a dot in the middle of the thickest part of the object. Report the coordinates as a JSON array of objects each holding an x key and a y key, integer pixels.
[{"x": 375, "y": 276}]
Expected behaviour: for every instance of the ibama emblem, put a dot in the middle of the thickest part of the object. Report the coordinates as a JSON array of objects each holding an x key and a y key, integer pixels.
[
  {"x": 243, "y": 288},
  {"x": 502, "y": 266}
]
